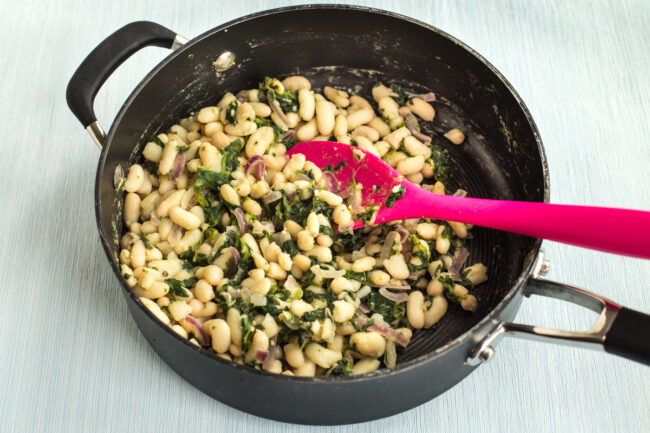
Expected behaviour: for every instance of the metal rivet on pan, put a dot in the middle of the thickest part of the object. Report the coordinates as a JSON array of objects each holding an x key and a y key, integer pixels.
[
  {"x": 546, "y": 266},
  {"x": 486, "y": 354},
  {"x": 225, "y": 61}
]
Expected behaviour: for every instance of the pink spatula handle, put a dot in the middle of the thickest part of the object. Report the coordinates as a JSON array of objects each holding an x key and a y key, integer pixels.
[{"x": 619, "y": 231}]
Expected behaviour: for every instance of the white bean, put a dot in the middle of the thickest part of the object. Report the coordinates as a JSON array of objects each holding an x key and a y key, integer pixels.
[
  {"x": 343, "y": 311},
  {"x": 229, "y": 194},
  {"x": 307, "y": 104},
  {"x": 134, "y": 179},
  {"x": 152, "y": 152},
  {"x": 410, "y": 165},
  {"x": 220, "y": 334},
  {"x": 293, "y": 355},
  {"x": 415, "y": 309},
  {"x": 322, "y": 356},
  {"x": 328, "y": 197},
  {"x": 184, "y": 218},
  {"x": 477, "y": 273},
  {"x": 396, "y": 266},
  {"x": 324, "y": 117},
  {"x": 339, "y": 97},
  {"x": 296, "y": 82},
  {"x": 173, "y": 199},
  {"x": 208, "y": 114},
  {"x": 359, "y": 117},
  {"x": 259, "y": 141},
  {"x": 168, "y": 156},
  {"x": 363, "y": 264},
  {"x": 131, "y": 208},
  {"x": 435, "y": 312},
  {"x": 369, "y": 343},
  {"x": 421, "y": 108},
  {"x": 365, "y": 365}
]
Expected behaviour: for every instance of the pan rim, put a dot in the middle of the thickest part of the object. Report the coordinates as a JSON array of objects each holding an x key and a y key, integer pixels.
[{"x": 489, "y": 321}]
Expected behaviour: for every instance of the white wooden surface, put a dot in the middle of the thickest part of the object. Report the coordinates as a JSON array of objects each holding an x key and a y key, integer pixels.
[{"x": 71, "y": 358}]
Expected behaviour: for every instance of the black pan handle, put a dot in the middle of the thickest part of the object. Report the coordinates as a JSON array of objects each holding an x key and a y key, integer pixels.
[
  {"x": 106, "y": 58},
  {"x": 629, "y": 336},
  {"x": 618, "y": 330}
]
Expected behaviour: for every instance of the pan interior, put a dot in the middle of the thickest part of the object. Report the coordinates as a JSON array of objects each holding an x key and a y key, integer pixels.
[{"x": 353, "y": 50}]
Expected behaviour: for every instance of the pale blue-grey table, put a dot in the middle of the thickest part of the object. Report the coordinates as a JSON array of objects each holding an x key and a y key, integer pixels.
[{"x": 71, "y": 358}]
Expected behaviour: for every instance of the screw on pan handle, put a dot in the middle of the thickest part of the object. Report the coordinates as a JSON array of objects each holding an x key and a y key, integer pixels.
[{"x": 106, "y": 58}]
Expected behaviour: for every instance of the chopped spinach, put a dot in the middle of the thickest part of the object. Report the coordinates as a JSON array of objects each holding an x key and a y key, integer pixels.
[
  {"x": 391, "y": 311},
  {"x": 231, "y": 111},
  {"x": 421, "y": 251},
  {"x": 287, "y": 100},
  {"x": 146, "y": 242},
  {"x": 359, "y": 276},
  {"x": 177, "y": 288},
  {"x": 401, "y": 97},
  {"x": 395, "y": 195},
  {"x": 440, "y": 163},
  {"x": 230, "y": 156},
  {"x": 158, "y": 141},
  {"x": 318, "y": 313},
  {"x": 290, "y": 247},
  {"x": 341, "y": 368},
  {"x": 247, "y": 332}
]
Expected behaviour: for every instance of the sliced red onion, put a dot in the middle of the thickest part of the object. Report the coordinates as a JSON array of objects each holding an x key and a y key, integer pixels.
[
  {"x": 388, "y": 245},
  {"x": 197, "y": 331},
  {"x": 412, "y": 123},
  {"x": 179, "y": 164},
  {"x": 457, "y": 262},
  {"x": 404, "y": 235},
  {"x": 191, "y": 202},
  {"x": 290, "y": 195},
  {"x": 277, "y": 110},
  {"x": 256, "y": 167},
  {"x": 411, "y": 223},
  {"x": 460, "y": 193},
  {"x": 234, "y": 260},
  {"x": 413, "y": 126},
  {"x": 290, "y": 133},
  {"x": 261, "y": 355},
  {"x": 423, "y": 138},
  {"x": 241, "y": 220},
  {"x": 363, "y": 309},
  {"x": 392, "y": 286},
  {"x": 362, "y": 320},
  {"x": 390, "y": 334},
  {"x": 271, "y": 197},
  {"x": 395, "y": 297},
  {"x": 355, "y": 201},
  {"x": 345, "y": 228},
  {"x": 331, "y": 182},
  {"x": 242, "y": 96},
  {"x": 175, "y": 235},
  {"x": 469, "y": 235},
  {"x": 234, "y": 293},
  {"x": 272, "y": 353},
  {"x": 427, "y": 97}
]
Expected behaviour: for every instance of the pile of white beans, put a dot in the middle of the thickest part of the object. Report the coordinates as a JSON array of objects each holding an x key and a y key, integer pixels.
[{"x": 163, "y": 222}]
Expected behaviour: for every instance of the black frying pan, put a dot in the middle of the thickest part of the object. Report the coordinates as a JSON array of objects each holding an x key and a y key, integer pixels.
[{"x": 348, "y": 46}]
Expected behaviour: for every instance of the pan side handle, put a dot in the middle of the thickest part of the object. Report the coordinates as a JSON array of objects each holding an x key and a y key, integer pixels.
[
  {"x": 104, "y": 60},
  {"x": 618, "y": 330}
]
